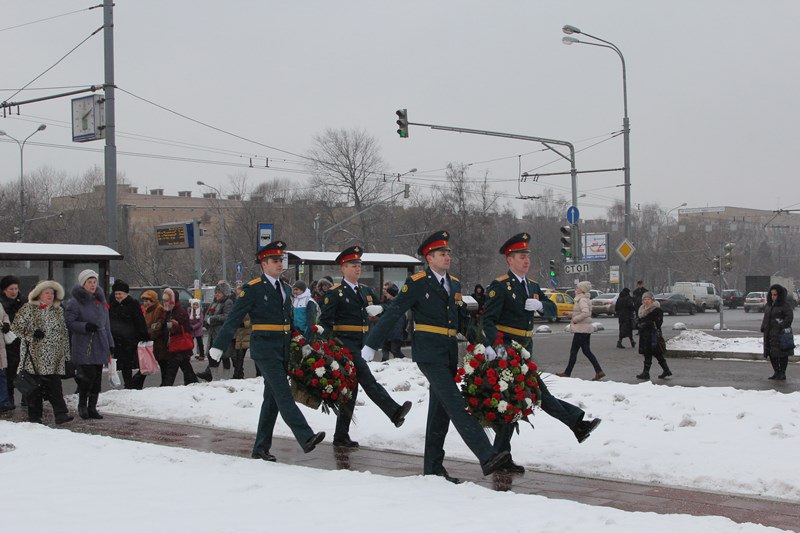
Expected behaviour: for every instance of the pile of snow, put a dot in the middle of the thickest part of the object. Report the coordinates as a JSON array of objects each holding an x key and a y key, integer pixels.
[
  {"x": 116, "y": 479},
  {"x": 698, "y": 341},
  {"x": 544, "y": 329},
  {"x": 703, "y": 438},
  {"x": 679, "y": 326},
  {"x": 598, "y": 326}
]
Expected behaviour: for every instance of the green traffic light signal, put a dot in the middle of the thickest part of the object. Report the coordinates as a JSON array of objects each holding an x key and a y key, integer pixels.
[
  {"x": 402, "y": 121},
  {"x": 552, "y": 268}
]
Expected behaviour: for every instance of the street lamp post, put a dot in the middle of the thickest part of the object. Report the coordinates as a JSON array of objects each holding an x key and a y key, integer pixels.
[
  {"x": 21, "y": 178},
  {"x": 626, "y": 129},
  {"x": 222, "y": 229},
  {"x": 669, "y": 270}
]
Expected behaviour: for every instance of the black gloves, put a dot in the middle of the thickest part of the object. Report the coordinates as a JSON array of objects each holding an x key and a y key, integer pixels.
[
  {"x": 6, "y": 327},
  {"x": 91, "y": 327},
  {"x": 38, "y": 334}
]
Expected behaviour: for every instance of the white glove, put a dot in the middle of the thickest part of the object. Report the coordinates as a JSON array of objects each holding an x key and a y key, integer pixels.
[
  {"x": 374, "y": 310},
  {"x": 367, "y": 353},
  {"x": 215, "y": 354},
  {"x": 532, "y": 304},
  {"x": 491, "y": 355}
]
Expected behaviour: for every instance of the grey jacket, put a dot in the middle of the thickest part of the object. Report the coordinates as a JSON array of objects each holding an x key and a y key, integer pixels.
[{"x": 89, "y": 348}]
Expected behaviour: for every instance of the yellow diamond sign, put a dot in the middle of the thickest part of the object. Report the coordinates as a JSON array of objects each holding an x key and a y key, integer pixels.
[{"x": 625, "y": 250}]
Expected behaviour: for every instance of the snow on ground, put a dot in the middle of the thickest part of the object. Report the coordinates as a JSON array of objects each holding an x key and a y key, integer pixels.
[
  {"x": 698, "y": 341},
  {"x": 64, "y": 481},
  {"x": 718, "y": 439}
]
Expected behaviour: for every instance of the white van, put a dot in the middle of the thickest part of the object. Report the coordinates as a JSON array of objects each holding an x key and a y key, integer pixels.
[{"x": 704, "y": 295}]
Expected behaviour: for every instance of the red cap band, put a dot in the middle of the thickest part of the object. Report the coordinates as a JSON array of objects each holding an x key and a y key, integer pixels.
[
  {"x": 347, "y": 258},
  {"x": 434, "y": 244},
  {"x": 264, "y": 253},
  {"x": 516, "y": 247}
]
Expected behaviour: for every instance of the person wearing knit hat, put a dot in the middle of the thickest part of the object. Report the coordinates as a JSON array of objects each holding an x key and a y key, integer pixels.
[
  {"x": 128, "y": 328},
  {"x": 120, "y": 286},
  {"x": 511, "y": 301},
  {"x": 582, "y": 329},
  {"x": 86, "y": 275},
  {"x": 215, "y": 317},
  {"x": 7, "y": 281}
]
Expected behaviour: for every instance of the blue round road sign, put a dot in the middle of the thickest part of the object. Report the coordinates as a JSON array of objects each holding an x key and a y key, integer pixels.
[
  {"x": 554, "y": 282},
  {"x": 573, "y": 214}
]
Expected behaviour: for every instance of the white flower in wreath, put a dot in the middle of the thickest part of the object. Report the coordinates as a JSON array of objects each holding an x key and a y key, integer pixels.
[
  {"x": 524, "y": 368},
  {"x": 468, "y": 369},
  {"x": 529, "y": 402},
  {"x": 525, "y": 354},
  {"x": 334, "y": 365},
  {"x": 344, "y": 391},
  {"x": 329, "y": 389},
  {"x": 307, "y": 350},
  {"x": 506, "y": 375},
  {"x": 480, "y": 349},
  {"x": 318, "y": 329},
  {"x": 319, "y": 371},
  {"x": 501, "y": 406},
  {"x": 503, "y": 386}
]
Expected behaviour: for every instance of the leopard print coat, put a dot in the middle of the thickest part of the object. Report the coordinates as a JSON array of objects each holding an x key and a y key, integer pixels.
[{"x": 49, "y": 354}]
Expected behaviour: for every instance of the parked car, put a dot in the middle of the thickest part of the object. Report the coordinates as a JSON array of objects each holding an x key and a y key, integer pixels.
[
  {"x": 755, "y": 301},
  {"x": 593, "y": 293},
  {"x": 182, "y": 294},
  {"x": 704, "y": 295},
  {"x": 564, "y": 303},
  {"x": 673, "y": 303},
  {"x": 604, "y": 304},
  {"x": 732, "y": 298}
]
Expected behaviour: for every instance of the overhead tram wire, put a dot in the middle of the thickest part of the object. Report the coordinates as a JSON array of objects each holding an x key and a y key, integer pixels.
[
  {"x": 48, "y": 69},
  {"x": 49, "y": 18}
]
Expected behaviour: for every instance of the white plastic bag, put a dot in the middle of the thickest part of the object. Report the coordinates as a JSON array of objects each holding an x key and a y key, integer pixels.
[{"x": 114, "y": 375}]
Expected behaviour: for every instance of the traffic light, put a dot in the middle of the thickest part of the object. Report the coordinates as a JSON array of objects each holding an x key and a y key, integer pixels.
[
  {"x": 727, "y": 264},
  {"x": 566, "y": 241},
  {"x": 402, "y": 121},
  {"x": 715, "y": 265},
  {"x": 407, "y": 191},
  {"x": 552, "y": 268}
]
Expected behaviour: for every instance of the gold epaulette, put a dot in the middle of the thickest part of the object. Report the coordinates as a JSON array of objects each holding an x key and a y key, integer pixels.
[
  {"x": 335, "y": 287},
  {"x": 418, "y": 276},
  {"x": 254, "y": 281},
  {"x": 502, "y": 278},
  {"x": 455, "y": 278}
]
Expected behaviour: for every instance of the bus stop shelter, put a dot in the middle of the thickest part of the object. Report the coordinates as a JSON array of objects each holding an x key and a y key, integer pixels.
[
  {"x": 376, "y": 268},
  {"x": 34, "y": 262}
]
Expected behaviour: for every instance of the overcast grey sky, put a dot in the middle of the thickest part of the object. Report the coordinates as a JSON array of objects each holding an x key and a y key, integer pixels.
[{"x": 712, "y": 90}]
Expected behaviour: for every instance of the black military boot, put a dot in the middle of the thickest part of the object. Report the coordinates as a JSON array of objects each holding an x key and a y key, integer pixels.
[
  {"x": 205, "y": 375},
  {"x": 645, "y": 372},
  {"x": 92, "y": 407},
  {"x": 83, "y": 412}
]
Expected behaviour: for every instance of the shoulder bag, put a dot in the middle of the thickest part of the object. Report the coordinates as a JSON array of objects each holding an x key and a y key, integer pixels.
[
  {"x": 25, "y": 382},
  {"x": 786, "y": 339},
  {"x": 181, "y": 342}
]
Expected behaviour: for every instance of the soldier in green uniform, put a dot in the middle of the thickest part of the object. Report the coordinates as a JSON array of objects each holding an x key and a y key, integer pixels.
[
  {"x": 510, "y": 304},
  {"x": 346, "y": 309},
  {"x": 268, "y": 301},
  {"x": 434, "y": 296}
]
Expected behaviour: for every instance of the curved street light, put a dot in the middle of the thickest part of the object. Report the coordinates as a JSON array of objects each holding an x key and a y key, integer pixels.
[
  {"x": 221, "y": 213},
  {"x": 21, "y": 145},
  {"x": 626, "y": 127}
]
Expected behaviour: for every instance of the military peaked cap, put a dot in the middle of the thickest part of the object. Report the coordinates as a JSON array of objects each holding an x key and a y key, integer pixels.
[
  {"x": 273, "y": 249},
  {"x": 350, "y": 255},
  {"x": 437, "y": 241},
  {"x": 517, "y": 243}
]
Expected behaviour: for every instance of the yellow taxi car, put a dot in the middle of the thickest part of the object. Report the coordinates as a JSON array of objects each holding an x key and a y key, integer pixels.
[{"x": 564, "y": 303}]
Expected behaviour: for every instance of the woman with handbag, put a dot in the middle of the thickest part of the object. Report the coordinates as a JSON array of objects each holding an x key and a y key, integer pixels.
[
  {"x": 582, "y": 329},
  {"x": 651, "y": 341},
  {"x": 128, "y": 329},
  {"x": 180, "y": 342},
  {"x": 778, "y": 316},
  {"x": 44, "y": 347},
  {"x": 154, "y": 319},
  {"x": 92, "y": 342}
]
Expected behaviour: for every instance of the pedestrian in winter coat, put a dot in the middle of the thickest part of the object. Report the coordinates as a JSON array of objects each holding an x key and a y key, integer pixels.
[
  {"x": 5, "y": 402},
  {"x": 778, "y": 315},
  {"x": 176, "y": 321},
  {"x": 625, "y": 311},
  {"x": 216, "y": 314},
  {"x": 92, "y": 342},
  {"x": 651, "y": 317},
  {"x": 242, "y": 344},
  {"x": 480, "y": 296},
  {"x": 305, "y": 310},
  {"x": 394, "y": 341},
  {"x": 154, "y": 319},
  {"x": 11, "y": 300},
  {"x": 638, "y": 294},
  {"x": 582, "y": 329},
  {"x": 40, "y": 326},
  {"x": 128, "y": 329},
  {"x": 196, "y": 319}
]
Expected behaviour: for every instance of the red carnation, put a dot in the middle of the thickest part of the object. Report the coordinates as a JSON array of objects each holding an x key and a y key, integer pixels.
[
  {"x": 502, "y": 363},
  {"x": 299, "y": 373},
  {"x": 497, "y": 396},
  {"x": 490, "y": 416},
  {"x": 315, "y": 346},
  {"x": 334, "y": 396},
  {"x": 458, "y": 378},
  {"x": 474, "y": 363},
  {"x": 314, "y": 382},
  {"x": 520, "y": 378},
  {"x": 487, "y": 402},
  {"x": 509, "y": 418},
  {"x": 295, "y": 334},
  {"x": 461, "y": 371},
  {"x": 532, "y": 366},
  {"x": 470, "y": 347},
  {"x": 513, "y": 362},
  {"x": 496, "y": 388},
  {"x": 480, "y": 357},
  {"x": 527, "y": 412},
  {"x": 478, "y": 381},
  {"x": 301, "y": 341},
  {"x": 492, "y": 380},
  {"x": 473, "y": 401}
]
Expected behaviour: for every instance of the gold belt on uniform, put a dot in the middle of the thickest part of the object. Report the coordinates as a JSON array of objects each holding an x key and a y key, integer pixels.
[
  {"x": 435, "y": 329},
  {"x": 515, "y": 331},
  {"x": 271, "y": 327},
  {"x": 354, "y": 329}
]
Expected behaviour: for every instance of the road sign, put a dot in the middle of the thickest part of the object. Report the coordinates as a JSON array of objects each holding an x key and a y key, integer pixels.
[
  {"x": 264, "y": 235},
  {"x": 613, "y": 274},
  {"x": 554, "y": 282},
  {"x": 239, "y": 270},
  {"x": 573, "y": 214},
  {"x": 577, "y": 268},
  {"x": 594, "y": 246},
  {"x": 625, "y": 250}
]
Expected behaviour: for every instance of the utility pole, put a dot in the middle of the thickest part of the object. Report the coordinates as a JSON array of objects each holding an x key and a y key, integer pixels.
[{"x": 111, "y": 143}]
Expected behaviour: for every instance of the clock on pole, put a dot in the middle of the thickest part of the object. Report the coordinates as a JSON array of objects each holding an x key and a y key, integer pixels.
[{"x": 88, "y": 118}]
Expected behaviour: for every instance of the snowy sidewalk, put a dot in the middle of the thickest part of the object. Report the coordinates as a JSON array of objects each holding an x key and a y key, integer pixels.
[{"x": 592, "y": 491}]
